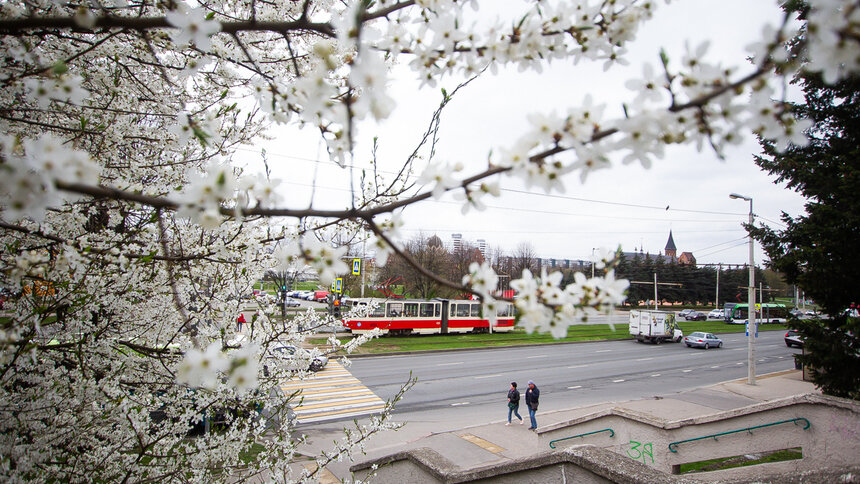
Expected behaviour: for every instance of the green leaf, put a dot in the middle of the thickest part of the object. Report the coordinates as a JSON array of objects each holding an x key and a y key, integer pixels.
[{"x": 59, "y": 68}]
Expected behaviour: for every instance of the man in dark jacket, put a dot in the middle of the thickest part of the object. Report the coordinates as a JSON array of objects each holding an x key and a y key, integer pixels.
[
  {"x": 532, "y": 396},
  {"x": 514, "y": 403}
]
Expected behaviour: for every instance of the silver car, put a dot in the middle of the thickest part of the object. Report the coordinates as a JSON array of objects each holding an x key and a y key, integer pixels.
[
  {"x": 703, "y": 340},
  {"x": 299, "y": 359}
]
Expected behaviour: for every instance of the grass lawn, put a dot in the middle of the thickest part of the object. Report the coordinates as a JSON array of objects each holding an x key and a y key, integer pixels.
[
  {"x": 742, "y": 460},
  {"x": 388, "y": 344}
]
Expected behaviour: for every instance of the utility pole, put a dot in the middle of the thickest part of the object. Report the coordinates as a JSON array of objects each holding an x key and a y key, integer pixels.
[
  {"x": 717, "y": 300},
  {"x": 655, "y": 292}
]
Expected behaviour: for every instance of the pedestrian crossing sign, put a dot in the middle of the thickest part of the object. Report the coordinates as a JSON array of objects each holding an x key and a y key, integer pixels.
[
  {"x": 338, "y": 285},
  {"x": 356, "y": 267}
]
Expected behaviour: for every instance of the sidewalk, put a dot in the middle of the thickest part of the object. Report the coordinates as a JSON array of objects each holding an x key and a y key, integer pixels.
[{"x": 495, "y": 443}]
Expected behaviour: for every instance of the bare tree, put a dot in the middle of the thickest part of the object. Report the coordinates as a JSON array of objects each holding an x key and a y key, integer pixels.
[{"x": 524, "y": 258}]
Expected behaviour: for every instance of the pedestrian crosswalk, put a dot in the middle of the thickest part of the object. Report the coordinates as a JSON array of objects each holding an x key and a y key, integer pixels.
[{"x": 330, "y": 394}]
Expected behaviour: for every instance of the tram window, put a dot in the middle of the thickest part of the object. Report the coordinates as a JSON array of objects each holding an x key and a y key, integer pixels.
[
  {"x": 378, "y": 311},
  {"x": 427, "y": 310},
  {"x": 410, "y": 310},
  {"x": 476, "y": 310},
  {"x": 505, "y": 310},
  {"x": 394, "y": 310},
  {"x": 462, "y": 310}
]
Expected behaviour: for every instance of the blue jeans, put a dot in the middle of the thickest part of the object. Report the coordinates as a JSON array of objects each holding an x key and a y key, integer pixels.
[
  {"x": 532, "y": 418},
  {"x": 515, "y": 411}
]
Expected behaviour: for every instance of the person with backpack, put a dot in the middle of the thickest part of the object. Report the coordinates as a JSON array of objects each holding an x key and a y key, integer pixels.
[
  {"x": 514, "y": 403},
  {"x": 532, "y": 396},
  {"x": 240, "y": 321}
]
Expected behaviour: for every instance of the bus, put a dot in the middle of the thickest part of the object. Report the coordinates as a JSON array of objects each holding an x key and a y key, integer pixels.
[{"x": 768, "y": 313}]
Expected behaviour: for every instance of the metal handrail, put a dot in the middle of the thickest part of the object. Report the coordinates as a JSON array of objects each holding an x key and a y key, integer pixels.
[
  {"x": 748, "y": 429},
  {"x": 552, "y": 442}
]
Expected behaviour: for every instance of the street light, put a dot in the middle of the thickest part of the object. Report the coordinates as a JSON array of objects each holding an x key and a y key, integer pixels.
[{"x": 751, "y": 327}]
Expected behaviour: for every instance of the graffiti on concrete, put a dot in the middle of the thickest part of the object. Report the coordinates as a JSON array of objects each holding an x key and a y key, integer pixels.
[
  {"x": 847, "y": 428},
  {"x": 638, "y": 450}
]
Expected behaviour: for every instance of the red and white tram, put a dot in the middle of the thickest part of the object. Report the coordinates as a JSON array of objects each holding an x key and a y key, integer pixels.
[{"x": 421, "y": 316}]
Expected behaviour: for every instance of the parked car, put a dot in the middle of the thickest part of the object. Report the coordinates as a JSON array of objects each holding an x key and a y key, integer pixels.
[
  {"x": 299, "y": 360},
  {"x": 792, "y": 338},
  {"x": 684, "y": 312},
  {"x": 703, "y": 340},
  {"x": 716, "y": 314},
  {"x": 695, "y": 316},
  {"x": 291, "y": 303}
]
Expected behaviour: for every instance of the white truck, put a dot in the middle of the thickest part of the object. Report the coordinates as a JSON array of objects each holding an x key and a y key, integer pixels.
[{"x": 654, "y": 326}]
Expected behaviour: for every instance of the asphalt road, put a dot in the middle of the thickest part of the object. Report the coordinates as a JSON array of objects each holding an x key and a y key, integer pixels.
[{"x": 464, "y": 385}]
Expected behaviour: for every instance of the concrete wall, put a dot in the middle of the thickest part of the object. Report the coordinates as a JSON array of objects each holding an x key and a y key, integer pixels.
[
  {"x": 639, "y": 449},
  {"x": 832, "y": 440},
  {"x": 583, "y": 464}
]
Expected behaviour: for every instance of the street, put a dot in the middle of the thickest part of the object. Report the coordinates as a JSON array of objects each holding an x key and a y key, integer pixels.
[{"x": 461, "y": 388}]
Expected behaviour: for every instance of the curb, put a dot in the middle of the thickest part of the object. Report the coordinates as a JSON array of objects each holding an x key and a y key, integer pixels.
[{"x": 478, "y": 348}]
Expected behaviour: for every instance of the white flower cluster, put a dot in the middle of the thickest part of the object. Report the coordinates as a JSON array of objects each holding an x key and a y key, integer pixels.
[
  {"x": 543, "y": 305},
  {"x": 833, "y": 38},
  {"x": 31, "y": 169},
  {"x": 64, "y": 87},
  {"x": 321, "y": 256},
  {"x": 218, "y": 187}
]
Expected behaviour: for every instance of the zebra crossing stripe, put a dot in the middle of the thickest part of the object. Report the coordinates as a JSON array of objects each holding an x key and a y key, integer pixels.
[{"x": 330, "y": 394}]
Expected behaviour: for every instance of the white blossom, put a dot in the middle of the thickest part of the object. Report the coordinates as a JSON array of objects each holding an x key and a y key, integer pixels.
[
  {"x": 192, "y": 26},
  {"x": 203, "y": 368}
]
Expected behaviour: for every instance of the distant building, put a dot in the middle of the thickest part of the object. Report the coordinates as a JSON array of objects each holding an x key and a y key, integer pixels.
[
  {"x": 669, "y": 255},
  {"x": 457, "y": 242},
  {"x": 670, "y": 249},
  {"x": 482, "y": 246}
]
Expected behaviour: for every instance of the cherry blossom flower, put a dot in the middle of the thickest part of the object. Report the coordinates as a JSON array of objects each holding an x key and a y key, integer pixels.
[
  {"x": 442, "y": 176},
  {"x": 203, "y": 368},
  {"x": 192, "y": 26}
]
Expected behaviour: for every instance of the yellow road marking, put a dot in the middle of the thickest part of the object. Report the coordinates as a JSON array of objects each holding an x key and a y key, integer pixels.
[
  {"x": 338, "y": 404},
  {"x": 332, "y": 389},
  {"x": 338, "y": 412},
  {"x": 484, "y": 444},
  {"x": 327, "y": 396},
  {"x": 318, "y": 385}
]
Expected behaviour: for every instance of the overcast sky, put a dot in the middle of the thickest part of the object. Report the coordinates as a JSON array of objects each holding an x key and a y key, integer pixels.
[{"x": 625, "y": 205}]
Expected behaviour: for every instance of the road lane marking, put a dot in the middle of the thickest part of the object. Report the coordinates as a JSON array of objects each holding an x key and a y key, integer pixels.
[
  {"x": 574, "y": 387},
  {"x": 715, "y": 366},
  {"x": 317, "y": 417},
  {"x": 488, "y": 376},
  {"x": 484, "y": 444},
  {"x": 330, "y": 394},
  {"x": 603, "y": 351},
  {"x": 537, "y": 356},
  {"x": 576, "y": 366},
  {"x": 617, "y": 381},
  {"x": 644, "y": 359},
  {"x": 450, "y": 364},
  {"x": 459, "y": 403},
  {"x": 686, "y": 371},
  {"x": 656, "y": 374}
]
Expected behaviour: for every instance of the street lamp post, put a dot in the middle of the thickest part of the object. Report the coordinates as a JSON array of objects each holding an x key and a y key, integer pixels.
[{"x": 751, "y": 327}]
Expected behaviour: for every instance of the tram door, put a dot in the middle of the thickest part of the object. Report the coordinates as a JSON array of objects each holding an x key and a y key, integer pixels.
[{"x": 445, "y": 305}]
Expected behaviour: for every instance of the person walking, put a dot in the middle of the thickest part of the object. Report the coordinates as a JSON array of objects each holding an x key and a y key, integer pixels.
[
  {"x": 532, "y": 397},
  {"x": 240, "y": 321},
  {"x": 514, "y": 403}
]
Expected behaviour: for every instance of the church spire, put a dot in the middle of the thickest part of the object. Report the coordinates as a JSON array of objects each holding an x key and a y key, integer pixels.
[{"x": 671, "y": 250}]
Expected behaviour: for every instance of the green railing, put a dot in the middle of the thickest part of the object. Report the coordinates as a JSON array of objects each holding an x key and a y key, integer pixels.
[
  {"x": 748, "y": 429},
  {"x": 552, "y": 442}
]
